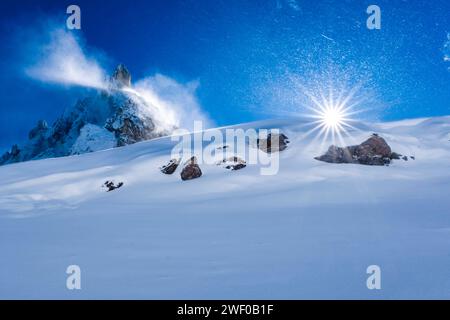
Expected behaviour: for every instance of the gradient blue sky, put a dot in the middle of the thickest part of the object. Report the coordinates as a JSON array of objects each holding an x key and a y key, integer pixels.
[{"x": 248, "y": 56}]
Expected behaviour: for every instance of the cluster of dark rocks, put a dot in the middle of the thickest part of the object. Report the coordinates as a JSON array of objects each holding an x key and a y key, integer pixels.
[
  {"x": 374, "y": 151},
  {"x": 191, "y": 169}
]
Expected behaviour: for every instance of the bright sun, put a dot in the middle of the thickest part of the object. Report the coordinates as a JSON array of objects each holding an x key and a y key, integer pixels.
[
  {"x": 333, "y": 115},
  {"x": 333, "y": 118}
]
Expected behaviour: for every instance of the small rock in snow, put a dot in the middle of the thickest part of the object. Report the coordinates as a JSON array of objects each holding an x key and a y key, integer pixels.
[
  {"x": 273, "y": 143},
  {"x": 110, "y": 185},
  {"x": 170, "y": 167},
  {"x": 233, "y": 163}
]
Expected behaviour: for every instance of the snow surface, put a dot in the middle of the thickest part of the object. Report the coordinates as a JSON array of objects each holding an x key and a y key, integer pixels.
[
  {"x": 310, "y": 231},
  {"x": 93, "y": 138}
]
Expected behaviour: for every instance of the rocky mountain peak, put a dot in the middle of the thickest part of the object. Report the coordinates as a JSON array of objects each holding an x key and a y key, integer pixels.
[
  {"x": 40, "y": 128},
  {"x": 102, "y": 120},
  {"x": 121, "y": 76}
]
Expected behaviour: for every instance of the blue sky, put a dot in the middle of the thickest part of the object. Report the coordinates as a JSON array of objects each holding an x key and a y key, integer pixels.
[{"x": 250, "y": 58}]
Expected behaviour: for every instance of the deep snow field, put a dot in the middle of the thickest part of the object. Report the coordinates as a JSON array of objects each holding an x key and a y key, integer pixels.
[{"x": 309, "y": 231}]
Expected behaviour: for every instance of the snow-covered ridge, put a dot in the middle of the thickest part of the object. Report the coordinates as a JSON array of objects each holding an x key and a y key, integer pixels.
[{"x": 426, "y": 140}]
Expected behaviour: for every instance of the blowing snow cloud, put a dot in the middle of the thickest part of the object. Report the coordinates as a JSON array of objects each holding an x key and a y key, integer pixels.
[{"x": 64, "y": 60}]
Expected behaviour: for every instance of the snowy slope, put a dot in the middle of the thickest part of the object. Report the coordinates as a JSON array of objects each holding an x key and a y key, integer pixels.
[{"x": 308, "y": 232}]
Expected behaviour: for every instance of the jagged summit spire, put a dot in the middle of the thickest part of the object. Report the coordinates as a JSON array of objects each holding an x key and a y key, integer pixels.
[{"x": 122, "y": 76}]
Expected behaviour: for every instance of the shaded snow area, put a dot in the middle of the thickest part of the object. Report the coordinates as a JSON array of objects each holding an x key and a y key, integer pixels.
[
  {"x": 309, "y": 231},
  {"x": 93, "y": 138}
]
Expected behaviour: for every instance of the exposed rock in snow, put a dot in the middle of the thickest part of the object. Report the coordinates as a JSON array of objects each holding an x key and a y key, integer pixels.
[
  {"x": 106, "y": 119},
  {"x": 373, "y": 151},
  {"x": 273, "y": 143},
  {"x": 233, "y": 163},
  {"x": 191, "y": 170},
  {"x": 395, "y": 156},
  {"x": 130, "y": 124},
  {"x": 171, "y": 166},
  {"x": 111, "y": 185}
]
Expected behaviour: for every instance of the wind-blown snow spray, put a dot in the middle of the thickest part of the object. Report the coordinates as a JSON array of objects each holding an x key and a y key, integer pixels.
[
  {"x": 62, "y": 58},
  {"x": 447, "y": 50}
]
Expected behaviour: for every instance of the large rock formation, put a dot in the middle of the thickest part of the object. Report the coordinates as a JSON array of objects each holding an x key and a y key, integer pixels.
[
  {"x": 106, "y": 119},
  {"x": 373, "y": 151},
  {"x": 121, "y": 76},
  {"x": 191, "y": 170}
]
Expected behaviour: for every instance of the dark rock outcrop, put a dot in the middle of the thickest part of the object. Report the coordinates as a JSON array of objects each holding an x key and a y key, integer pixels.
[
  {"x": 374, "y": 151},
  {"x": 395, "y": 156},
  {"x": 12, "y": 155},
  {"x": 170, "y": 167},
  {"x": 273, "y": 143},
  {"x": 235, "y": 167},
  {"x": 40, "y": 130},
  {"x": 129, "y": 126},
  {"x": 121, "y": 76},
  {"x": 110, "y": 185},
  {"x": 191, "y": 170},
  {"x": 233, "y": 163}
]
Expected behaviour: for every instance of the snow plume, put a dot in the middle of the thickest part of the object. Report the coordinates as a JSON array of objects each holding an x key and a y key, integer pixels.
[
  {"x": 63, "y": 60},
  {"x": 173, "y": 103}
]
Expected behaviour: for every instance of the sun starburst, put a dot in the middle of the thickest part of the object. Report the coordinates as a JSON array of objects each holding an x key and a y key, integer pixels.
[{"x": 332, "y": 115}]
